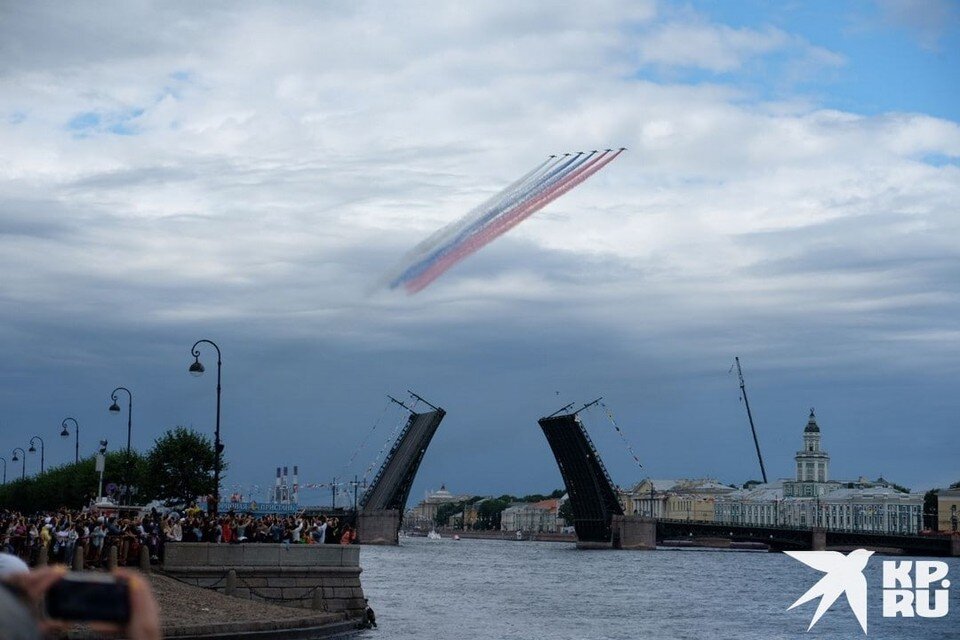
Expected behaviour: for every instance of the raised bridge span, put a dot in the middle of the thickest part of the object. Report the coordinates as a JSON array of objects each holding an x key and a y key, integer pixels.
[
  {"x": 380, "y": 511},
  {"x": 592, "y": 494}
]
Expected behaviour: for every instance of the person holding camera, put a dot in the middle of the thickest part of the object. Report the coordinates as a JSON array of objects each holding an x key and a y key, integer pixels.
[{"x": 26, "y": 597}]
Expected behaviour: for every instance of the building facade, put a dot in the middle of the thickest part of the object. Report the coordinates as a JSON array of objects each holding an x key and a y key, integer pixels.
[
  {"x": 948, "y": 510},
  {"x": 532, "y": 516},
  {"x": 683, "y": 499},
  {"x": 811, "y": 499},
  {"x": 424, "y": 514}
]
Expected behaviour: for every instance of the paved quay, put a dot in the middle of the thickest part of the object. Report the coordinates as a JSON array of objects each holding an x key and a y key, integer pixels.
[{"x": 192, "y": 612}]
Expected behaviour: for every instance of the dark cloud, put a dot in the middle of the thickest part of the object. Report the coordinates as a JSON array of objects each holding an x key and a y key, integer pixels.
[{"x": 286, "y": 157}]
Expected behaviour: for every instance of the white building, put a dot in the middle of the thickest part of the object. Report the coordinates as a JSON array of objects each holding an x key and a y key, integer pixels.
[
  {"x": 425, "y": 512},
  {"x": 813, "y": 500},
  {"x": 532, "y": 516}
]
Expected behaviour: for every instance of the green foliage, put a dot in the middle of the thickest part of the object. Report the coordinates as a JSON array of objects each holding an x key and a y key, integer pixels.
[
  {"x": 445, "y": 510},
  {"x": 899, "y": 487},
  {"x": 71, "y": 485},
  {"x": 489, "y": 511},
  {"x": 180, "y": 464},
  {"x": 566, "y": 512},
  {"x": 180, "y": 467},
  {"x": 931, "y": 509}
]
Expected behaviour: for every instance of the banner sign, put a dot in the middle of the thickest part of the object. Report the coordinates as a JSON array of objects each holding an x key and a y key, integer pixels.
[{"x": 260, "y": 508}]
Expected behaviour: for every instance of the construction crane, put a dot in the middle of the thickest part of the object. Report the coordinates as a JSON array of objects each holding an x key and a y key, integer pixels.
[{"x": 753, "y": 430}]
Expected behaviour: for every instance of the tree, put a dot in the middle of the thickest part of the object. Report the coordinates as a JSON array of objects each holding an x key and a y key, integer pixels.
[
  {"x": 71, "y": 485},
  {"x": 179, "y": 468},
  {"x": 445, "y": 510},
  {"x": 931, "y": 510},
  {"x": 566, "y": 512}
]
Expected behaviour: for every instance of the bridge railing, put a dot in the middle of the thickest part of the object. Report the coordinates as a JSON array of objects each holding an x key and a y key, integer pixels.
[{"x": 799, "y": 528}]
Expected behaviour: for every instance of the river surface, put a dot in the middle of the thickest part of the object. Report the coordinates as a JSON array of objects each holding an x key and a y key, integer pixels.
[{"x": 550, "y": 591}]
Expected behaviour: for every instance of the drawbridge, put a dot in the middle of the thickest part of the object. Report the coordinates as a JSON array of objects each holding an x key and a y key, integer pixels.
[
  {"x": 380, "y": 511},
  {"x": 592, "y": 494}
]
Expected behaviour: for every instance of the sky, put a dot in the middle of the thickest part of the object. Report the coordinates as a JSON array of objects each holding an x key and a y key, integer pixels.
[{"x": 247, "y": 173}]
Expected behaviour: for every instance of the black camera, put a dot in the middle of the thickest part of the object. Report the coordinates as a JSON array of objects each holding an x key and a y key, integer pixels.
[{"x": 99, "y": 597}]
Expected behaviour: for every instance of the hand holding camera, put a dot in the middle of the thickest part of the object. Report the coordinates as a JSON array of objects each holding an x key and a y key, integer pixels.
[{"x": 120, "y": 602}]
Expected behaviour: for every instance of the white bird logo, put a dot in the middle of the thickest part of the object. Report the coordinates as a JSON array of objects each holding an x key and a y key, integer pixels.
[{"x": 844, "y": 575}]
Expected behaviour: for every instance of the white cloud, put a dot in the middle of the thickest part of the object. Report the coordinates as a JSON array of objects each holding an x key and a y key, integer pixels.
[
  {"x": 719, "y": 48},
  {"x": 284, "y": 157}
]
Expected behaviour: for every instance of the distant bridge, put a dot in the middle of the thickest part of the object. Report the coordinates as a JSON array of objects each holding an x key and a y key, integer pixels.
[
  {"x": 380, "y": 511},
  {"x": 798, "y": 538},
  {"x": 599, "y": 521}
]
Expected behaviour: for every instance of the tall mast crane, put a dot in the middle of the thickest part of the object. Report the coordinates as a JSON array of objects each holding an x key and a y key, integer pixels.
[{"x": 756, "y": 443}]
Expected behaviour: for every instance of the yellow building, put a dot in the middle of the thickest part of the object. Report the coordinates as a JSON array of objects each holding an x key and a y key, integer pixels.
[
  {"x": 948, "y": 510},
  {"x": 674, "y": 499}
]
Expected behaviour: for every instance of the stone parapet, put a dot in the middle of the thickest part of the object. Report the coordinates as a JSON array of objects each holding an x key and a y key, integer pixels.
[{"x": 323, "y": 577}]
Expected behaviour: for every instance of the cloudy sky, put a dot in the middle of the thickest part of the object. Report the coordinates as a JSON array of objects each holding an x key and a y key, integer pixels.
[{"x": 247, "y": 172}]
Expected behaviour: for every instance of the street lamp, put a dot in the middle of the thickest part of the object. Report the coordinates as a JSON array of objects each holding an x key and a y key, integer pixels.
[
  {"x": 4, "y": 469},
  {"x": 66, "y": 434},
  {"x": 196, "y": 369},
  {"x": 115, "y": 408},
  {"x": 23, "y": 469},
  {"x": 33, "y": 449}
]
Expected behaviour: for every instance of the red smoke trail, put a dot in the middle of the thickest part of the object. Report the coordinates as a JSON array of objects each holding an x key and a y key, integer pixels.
[{"x": 509, "y": 221}]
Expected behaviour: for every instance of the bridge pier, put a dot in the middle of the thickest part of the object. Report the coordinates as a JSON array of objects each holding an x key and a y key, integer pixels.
[
  {"x": 378, "y": 527},
  {"x": 818, "y": 539},
  {"x": 634, "y": 532}
]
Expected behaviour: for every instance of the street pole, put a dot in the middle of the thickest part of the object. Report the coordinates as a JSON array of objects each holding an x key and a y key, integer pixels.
[
  {"x": 4, "y": 469},
  {"x": 197, "y": 369},
  {"x": 33, "y": 449},
  {"x": 115, "y": 408},
  {"x": 23, "y": 468},
  {"x": 66, "y": 434}
]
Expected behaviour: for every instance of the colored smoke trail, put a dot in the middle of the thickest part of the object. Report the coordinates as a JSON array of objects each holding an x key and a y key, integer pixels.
[{"x": 498, "y": 214}]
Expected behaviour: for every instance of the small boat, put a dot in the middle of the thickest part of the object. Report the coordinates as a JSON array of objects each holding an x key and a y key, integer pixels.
[
  {"x": 433, "y": 535},
  {"x": 456, "y": 536}
]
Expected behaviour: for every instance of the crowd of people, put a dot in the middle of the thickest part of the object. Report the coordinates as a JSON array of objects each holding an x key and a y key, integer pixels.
[{"x": 59, "y": 534}]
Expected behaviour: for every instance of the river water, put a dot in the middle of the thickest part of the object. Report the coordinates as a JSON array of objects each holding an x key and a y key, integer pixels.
[{"x": 541, "y": 590}]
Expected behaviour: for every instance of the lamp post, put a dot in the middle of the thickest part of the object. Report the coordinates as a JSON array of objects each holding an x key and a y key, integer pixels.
[
  {"x": 23, "y": 469},
  {"x": 196, "y": 369},
  {"x": 66, "y": 434},
  {"x": 356, "y": 486},
  {"x": 33, "y": 449},
  {"x": 4, "y": 469},
  {"x": 115, "y": 408}
]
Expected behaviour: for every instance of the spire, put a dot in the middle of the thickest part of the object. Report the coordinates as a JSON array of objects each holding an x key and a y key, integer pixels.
[{"x": 812, "y": 426}]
